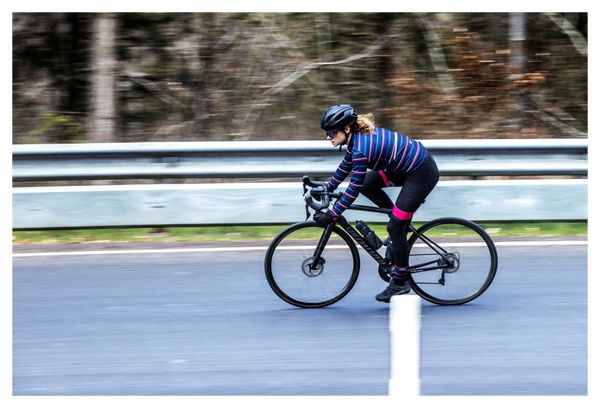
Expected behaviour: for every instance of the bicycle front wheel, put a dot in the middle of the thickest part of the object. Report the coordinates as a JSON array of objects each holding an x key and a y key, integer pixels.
[
  {"x": 310, "y": 266},
  {"x": 453, "y": 260}
]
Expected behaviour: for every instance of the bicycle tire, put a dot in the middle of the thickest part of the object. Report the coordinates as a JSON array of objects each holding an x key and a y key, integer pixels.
[
  {"x": 478, "y": 247},
  {"x": 294, "y": 271}
]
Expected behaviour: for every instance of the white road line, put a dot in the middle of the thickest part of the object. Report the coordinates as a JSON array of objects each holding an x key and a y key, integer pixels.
[
  {"x": 261, "y": 248},
  {"x": 540, "y": 243},
  {"x": 140, "y": 251}
]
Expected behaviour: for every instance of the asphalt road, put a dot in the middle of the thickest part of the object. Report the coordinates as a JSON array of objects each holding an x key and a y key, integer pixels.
[{"x": 208, "y": 324}]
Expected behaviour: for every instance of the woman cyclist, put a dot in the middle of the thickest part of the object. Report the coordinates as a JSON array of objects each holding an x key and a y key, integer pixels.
[{"x": 377, "y": 158}]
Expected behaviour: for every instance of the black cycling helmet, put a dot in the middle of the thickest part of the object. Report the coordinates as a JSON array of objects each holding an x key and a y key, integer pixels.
[{"x": 337, "y": 116}]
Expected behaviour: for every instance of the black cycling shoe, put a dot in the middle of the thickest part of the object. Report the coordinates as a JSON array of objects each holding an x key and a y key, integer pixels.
[{"x": 394, "y": 288}]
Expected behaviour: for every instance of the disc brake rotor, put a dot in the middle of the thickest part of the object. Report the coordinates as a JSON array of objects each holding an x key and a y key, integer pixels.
[{"x": 312, "y": 272}]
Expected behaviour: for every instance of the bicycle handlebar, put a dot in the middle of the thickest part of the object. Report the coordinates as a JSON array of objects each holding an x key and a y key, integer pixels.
[
  {"x": 324, "y": 195},
  {"x": 308, "y": 182}
]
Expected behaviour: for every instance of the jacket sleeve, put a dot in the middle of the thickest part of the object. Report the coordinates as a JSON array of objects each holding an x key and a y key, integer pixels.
[
  {"x": 357, "y": 178},
  {"x": 342, "y": 171}
]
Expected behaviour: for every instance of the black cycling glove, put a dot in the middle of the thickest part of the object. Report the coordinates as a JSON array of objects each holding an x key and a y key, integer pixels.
[{"x": 323, "y": 218}]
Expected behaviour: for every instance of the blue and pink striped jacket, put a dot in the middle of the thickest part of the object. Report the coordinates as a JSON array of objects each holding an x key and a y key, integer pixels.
[{"x": 385, "y": 151}]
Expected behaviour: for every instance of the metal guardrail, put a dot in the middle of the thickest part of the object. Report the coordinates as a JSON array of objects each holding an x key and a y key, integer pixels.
[
  {"x": 280, "y": 202},
  {"x": 456, "y": 157}
]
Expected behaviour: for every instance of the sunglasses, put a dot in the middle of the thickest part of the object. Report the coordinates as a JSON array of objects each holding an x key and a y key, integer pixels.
[{"x": 331, "y": 133}]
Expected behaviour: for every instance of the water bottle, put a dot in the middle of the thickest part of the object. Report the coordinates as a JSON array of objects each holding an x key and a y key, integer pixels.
[{"x": 372, "y": 239}]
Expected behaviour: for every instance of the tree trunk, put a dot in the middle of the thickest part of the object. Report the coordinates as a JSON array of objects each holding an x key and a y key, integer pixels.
[
  {"x": 516, "y": 36},
  {"x": 103, "y": 95}
]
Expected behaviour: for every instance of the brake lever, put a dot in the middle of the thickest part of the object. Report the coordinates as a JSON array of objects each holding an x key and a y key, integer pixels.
[
  {"x": 306, "y": 209},
  {"x": 304, "y": 191},
  {"x": 309, "y": 202}
]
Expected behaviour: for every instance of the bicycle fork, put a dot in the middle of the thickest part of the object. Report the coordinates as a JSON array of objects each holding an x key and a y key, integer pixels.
[{"x": 317, "y": 260}]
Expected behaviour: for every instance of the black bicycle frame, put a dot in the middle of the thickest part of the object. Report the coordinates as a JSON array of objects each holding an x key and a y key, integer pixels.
[
  {"x": 342, "y": 222},
  {"x": 346, "y": 226}
]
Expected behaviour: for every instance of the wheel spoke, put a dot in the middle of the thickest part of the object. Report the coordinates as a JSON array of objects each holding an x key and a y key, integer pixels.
[
  {"x": 320, "y": 274},
  {"x": 465, "y": 268}
]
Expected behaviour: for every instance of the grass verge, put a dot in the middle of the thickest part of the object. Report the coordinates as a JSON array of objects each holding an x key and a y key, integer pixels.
[{"x": 259, "y": 233}]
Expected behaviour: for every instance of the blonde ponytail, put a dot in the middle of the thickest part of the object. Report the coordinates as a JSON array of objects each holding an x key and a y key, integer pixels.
[{"x": 364, "y": 124}]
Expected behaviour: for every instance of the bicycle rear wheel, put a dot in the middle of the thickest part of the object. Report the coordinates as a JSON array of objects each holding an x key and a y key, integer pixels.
[
  {"x": 463, "y": 264},
  {"x": 302, "y": 278}
]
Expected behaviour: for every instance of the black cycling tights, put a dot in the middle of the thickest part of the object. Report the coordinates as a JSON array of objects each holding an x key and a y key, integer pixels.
[{"x": 416, "y": 186}]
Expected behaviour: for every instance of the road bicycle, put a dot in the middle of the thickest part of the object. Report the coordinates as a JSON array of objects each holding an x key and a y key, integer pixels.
[{"x": 451, "y": 260}]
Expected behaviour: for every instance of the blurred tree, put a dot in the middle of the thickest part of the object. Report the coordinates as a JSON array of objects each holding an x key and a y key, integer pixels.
[
  {"x": 103, "y": 112},
  {"x": 50, "y": 75},
  {"x": 518, "y": 66},
  {"x": 241, "y": 76}
]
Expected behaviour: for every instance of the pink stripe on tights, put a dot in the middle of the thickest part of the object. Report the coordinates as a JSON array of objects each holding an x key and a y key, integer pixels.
[
  {"x": 401, "y": 215},
  {"x": 384, "y": 177}
]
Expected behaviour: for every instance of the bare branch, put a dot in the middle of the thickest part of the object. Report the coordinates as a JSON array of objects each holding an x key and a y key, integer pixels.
[
  {"x": 552, "y": 121},
  {"x": 555, "y": 117},
  {"x": 578, "y": 40},
  {"x": 436, "y": 55},
  {"x": 306, "y": 68},
  {"x": 140, "y": 79}
]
